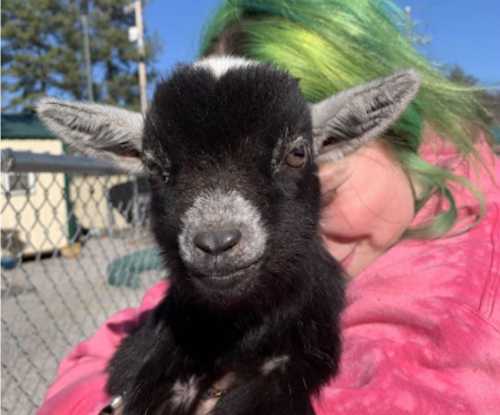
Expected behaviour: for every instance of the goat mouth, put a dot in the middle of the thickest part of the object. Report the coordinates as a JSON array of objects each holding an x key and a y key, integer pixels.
[{"x": 222, "y": 279}]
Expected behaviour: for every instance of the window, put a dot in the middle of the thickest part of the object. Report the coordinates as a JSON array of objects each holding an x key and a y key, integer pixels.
[{"x": 18, "y": 183}]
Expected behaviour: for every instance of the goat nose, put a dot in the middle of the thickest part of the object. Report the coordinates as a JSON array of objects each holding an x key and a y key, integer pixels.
[{"x": 217, "y": 242}]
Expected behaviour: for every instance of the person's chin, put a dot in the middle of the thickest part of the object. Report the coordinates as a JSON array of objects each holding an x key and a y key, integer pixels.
[
  {"x": 349, "y": 257},
  {"x": 341, "y": 251}
]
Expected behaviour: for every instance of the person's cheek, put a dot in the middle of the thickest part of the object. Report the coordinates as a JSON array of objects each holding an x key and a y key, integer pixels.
[
  {"x": 366, "y": 196},
  {"x": 352, "y": 212}
]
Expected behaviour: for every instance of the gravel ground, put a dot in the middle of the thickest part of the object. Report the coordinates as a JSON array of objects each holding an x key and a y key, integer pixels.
[{"x": 49, "y": 305}]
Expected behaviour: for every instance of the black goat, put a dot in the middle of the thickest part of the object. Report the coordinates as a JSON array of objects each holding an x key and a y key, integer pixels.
[{"x": 230, "y": 150}]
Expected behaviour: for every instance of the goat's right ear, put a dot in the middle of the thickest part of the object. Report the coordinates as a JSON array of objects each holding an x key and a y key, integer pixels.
[
  {"x": 98, "y": 130},
  {"x": 358, "y": 115}
]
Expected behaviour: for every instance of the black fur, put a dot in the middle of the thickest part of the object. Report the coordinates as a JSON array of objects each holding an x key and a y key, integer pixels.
[{"x": 206, "y": 133}]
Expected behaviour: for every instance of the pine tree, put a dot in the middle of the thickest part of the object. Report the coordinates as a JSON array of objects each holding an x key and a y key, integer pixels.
[{"x": 42, "y": 52}]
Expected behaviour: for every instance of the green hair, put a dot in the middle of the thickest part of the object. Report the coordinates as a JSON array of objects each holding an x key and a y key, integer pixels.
[{"x": 331, "y": 45}]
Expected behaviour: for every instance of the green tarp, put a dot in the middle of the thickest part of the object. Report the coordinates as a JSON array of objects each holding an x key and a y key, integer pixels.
[{"x": 496, "y": 134}]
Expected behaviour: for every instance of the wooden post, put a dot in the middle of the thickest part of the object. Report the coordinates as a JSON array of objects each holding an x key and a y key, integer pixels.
[{"x": 142, "y": 54}]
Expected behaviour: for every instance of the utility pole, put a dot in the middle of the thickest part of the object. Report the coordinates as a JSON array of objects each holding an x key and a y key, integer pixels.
[
  {"x": 408, "y": 22},
  {"x": 136, "y": 34},
  {"x": 410, "y": 29},
  {"x": 86, "y": 49}
]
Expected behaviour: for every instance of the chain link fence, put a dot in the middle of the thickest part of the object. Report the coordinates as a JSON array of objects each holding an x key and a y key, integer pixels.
[{"x": 76, "y": 248}]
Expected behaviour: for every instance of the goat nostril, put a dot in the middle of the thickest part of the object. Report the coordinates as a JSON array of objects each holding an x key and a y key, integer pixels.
[{"x": 217, "y": 242}]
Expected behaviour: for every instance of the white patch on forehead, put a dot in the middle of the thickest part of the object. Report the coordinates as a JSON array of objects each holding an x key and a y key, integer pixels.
[
  {"x": 219, "y": 65},
  {"x": 219, "y": 209},
  {"x": 184, "y": 393},
  {"x": 274, "y": 363}
]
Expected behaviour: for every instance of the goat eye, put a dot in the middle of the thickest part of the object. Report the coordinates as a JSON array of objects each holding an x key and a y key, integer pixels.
[
  {"x": 158, "y": 174},
  {"x": 297, "y": 157}
]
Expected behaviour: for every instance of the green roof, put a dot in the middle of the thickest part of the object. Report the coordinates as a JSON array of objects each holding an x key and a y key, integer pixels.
[{"x": 24, "y": 125}]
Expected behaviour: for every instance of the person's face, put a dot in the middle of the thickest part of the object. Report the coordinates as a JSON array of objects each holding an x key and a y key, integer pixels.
[{"x": 367, "y": 205}]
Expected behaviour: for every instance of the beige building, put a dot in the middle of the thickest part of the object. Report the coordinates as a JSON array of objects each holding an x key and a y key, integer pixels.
[
  {"x": 36, "y": 207},
  {"x": 33, "y": 208}
]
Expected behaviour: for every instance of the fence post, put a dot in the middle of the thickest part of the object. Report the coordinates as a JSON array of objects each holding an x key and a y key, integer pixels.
[{"x": 72, "y": 224}]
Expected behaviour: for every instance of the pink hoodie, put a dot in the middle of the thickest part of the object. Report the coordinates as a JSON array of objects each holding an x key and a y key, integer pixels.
[{"x": 421, "y": 330}]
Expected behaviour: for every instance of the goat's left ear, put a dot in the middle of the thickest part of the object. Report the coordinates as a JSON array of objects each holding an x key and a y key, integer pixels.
[
  {"x": 357, "y": 115},
  {"x": 98, "y": 130}
]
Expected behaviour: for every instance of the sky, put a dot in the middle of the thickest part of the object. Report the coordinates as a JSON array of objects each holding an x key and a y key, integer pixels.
[{"x": 462, "y": 32}]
